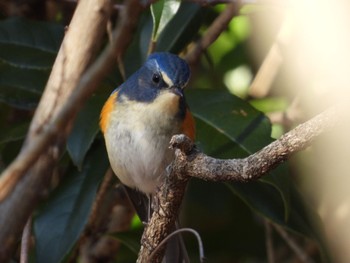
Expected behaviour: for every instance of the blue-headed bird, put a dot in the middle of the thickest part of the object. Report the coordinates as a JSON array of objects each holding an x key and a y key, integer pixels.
[{"x": 139, "y": 119}]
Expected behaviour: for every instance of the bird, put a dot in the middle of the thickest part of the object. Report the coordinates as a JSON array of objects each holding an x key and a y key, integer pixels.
[
  {"x": 138, "y": 121},
  {"x": 140, "y": 117}
]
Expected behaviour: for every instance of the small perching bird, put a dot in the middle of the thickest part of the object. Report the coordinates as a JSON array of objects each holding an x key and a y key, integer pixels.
[{"x": 139, "y": 119}]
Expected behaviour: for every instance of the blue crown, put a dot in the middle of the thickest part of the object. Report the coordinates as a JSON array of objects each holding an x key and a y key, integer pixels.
[
  {"x": 176, "y": 68},
  {"x": 140, "y": 85}
]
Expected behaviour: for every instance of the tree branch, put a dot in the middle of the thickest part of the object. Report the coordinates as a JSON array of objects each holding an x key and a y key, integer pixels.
[
  {"x": 71, "y": 82},
  {"x": 253, "y": 167},
  {"x": 268, "y": 70},
  {"x": 190, "y": 162},
  {"x": 213, "y": 32},
  {"x": 26, "y": 241}
]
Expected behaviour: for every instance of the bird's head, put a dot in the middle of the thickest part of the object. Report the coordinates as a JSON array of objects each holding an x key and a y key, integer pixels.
[
  {"x": 156, "y": 89},
  {"x": 162, "y": 73}
]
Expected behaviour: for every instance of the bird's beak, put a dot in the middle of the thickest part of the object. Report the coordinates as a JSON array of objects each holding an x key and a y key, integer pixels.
[{"x": 177, "y": 90}]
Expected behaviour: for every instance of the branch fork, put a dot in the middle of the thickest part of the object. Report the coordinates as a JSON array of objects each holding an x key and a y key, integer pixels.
[{"x": 190, "y": 162}]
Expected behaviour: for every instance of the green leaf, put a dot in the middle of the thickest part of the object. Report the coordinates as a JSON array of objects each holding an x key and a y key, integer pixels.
[
  {"x": 27, "y": 49},
  {"x": 279, "y": 179},
  {"x": 229, "y": 127},
  {"x": 19, "y": 98},
  {"x": 130, "y": 244},
  {"x": 137, "y": 51},
  {"x": 263, "y": 199},
  {"x": 15, "y": 133},
  {"x": 21, "y": 92},
  {"x": 181, "y": 29},
  {"x": 270, "y": 104},
  {"x": 130, "y": 239},
  {"x": 177, "y": 33},
  {"x": 29, "y": 44},
  {"x": 246, "y": 127},
  {"x": 85, "y": 129},
  {"x": 162, "y": 12},
  {"x": 30, "y": 79},
  {"x": 59, "y": 223}
]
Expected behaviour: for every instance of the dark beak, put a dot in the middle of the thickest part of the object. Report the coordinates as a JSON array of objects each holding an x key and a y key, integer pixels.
[{"x": 177, "y": 90}]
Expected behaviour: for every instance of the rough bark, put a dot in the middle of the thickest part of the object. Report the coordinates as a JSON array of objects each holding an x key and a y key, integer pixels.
[{"x": 190, "y": 162}]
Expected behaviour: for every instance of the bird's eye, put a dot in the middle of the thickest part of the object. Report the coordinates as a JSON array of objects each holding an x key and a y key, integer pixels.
[{"x": 156, "y": 78}]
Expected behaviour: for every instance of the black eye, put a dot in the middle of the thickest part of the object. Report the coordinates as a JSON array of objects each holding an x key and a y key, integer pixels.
[{"x": 156, "y": 78}]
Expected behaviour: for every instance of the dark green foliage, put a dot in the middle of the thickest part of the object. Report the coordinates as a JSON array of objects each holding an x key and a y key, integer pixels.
[
  {"x": 27, "y": 53},
  {"x": 62, "y": 218}
]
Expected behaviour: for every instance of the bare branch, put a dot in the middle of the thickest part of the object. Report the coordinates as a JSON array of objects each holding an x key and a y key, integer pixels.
[
  {"x": 190, "y": 162},
  {"x": 258, "y": 164},
  {"x": 163, "y": 219},
  {"x": 272, "y": 62},
  {"x": 70, "y": 84},
  {"x": 213, "y": 32},
  {"x": 26, "y": 241}
]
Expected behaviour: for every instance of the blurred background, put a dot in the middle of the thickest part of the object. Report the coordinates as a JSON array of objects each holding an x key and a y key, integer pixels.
[{"x": 275, "y": 65}]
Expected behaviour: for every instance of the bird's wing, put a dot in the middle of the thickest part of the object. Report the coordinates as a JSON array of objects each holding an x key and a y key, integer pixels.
[
  {"x": 188, "y": 126},
  {"x": 108, "y": 107}
]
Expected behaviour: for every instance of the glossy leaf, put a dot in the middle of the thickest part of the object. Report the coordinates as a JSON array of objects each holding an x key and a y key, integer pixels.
[
  {"x": 29, "y": 44},
  {"x": 61, "y": 220},
  {"x": 263, "y": 199},
  {"x": 246, "y": 127},
  {"x": 178, "y": 33},
  {"x": 21, "y": 92},
  {"x": 162, "y": 12},
  {"x": 85, "y": 129},
  {"x": 229, "y": 127},
  {"x": 30, "y": 79},
  {"x": 129, "y": 239},
  {"x": 181, "y": 29},
  {"x": 130, "y": 244},
  {"x": 19, "y": 98},
  {"x": 15, "y": 133},
  {"x": 138, "y": 50}
]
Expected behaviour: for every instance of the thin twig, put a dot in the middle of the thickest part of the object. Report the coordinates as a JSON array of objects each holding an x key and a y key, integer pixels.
[
  {"x": 272, "y": 62},
  {"x": 190, "y": 162},
  {"x": 177, "y": 232},
  {"x": 269, "y": 242},
  {"x": 303, "y": 257},
  {"x": 213, "y": 32},
  {"x": 26, "y": 241},
  {"x": 293, "y": 114}
]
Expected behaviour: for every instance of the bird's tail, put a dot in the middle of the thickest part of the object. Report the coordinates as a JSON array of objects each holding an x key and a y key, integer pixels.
[{"x": 176, "y": 250}]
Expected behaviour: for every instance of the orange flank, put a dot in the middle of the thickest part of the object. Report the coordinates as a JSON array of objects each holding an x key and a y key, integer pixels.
[
  {"x": 188, "y": 126},
  {"x": 106, "y": 110}
]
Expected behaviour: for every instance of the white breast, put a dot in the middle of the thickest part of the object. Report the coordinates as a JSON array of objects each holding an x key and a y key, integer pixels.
[{"x": 137, "y": 140}]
